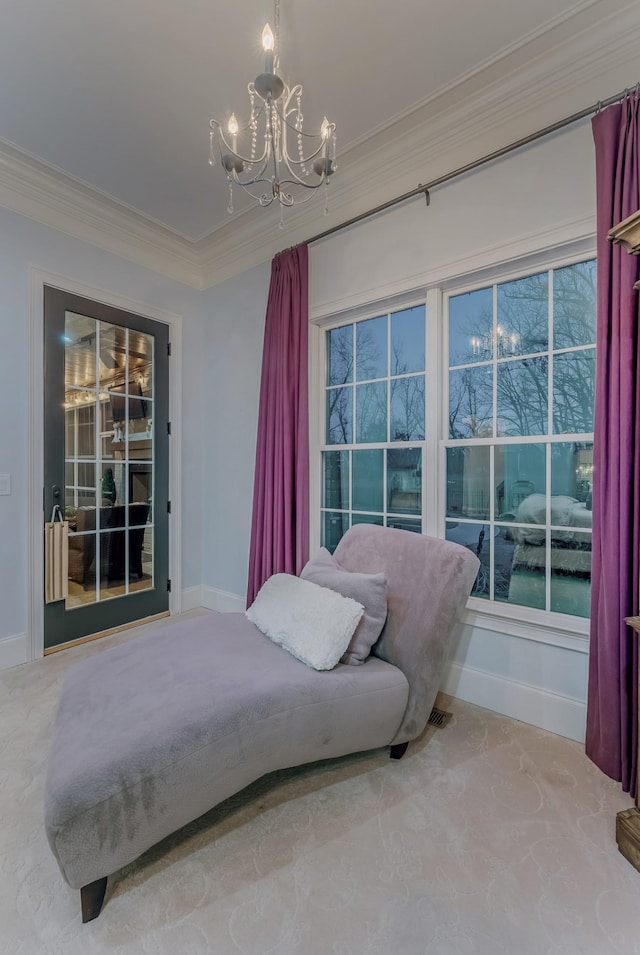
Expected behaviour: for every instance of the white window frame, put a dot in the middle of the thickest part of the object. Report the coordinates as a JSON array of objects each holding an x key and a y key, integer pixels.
[{"x": 509, "y": 617}]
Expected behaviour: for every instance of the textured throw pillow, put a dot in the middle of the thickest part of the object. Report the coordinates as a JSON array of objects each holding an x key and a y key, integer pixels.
[
  {"x": 368, "y": 589},
  {"x": 314, "y": 624}
]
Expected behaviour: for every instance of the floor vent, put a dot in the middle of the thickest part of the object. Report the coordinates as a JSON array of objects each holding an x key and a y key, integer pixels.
[{"x": 439, "y": 718}]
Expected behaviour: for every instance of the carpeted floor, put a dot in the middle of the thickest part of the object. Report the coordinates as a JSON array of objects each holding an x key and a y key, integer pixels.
[{"x": 490, "y": 837}]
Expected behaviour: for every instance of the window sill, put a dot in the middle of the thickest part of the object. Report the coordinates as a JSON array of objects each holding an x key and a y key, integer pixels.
[{"x": 560, "y": 630}]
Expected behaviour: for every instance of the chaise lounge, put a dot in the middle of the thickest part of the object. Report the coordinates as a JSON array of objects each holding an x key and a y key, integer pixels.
[{"x": 155, "y": 732}]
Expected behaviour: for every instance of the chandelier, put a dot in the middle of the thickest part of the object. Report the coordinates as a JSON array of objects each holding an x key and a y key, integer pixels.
[{"x": 272, "y": 158}]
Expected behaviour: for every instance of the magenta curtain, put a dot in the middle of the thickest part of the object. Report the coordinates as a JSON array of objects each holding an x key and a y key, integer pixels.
[
  {"x": 612, "y": 705},
  {"x": 280, "y": 524}
]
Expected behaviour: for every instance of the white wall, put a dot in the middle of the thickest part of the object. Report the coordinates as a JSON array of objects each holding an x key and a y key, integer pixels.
[
  {"x": 233, "y": 333},
  {"x": 24, "y": 243}
]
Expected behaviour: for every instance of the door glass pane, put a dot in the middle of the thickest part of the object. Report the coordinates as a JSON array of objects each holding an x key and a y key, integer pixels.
[
  {"x": 108, "y": 458},
  {"x": 112, "y": 349},
  {"x": 113, "y": 563},
  {"x": 141, "y": 558}
]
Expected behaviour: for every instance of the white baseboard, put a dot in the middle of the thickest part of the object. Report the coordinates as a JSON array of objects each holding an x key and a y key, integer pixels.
[
  {"x": 212, "y": 599},
  {"x": 521, "y": 701},
  {"x": 191, "y": 598},
  {"x": 13, "y": 651},
  {"x": 221, "y": 600}
]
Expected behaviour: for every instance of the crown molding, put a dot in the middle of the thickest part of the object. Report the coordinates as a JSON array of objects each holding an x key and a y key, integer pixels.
[
  {"x": 580, "y": 58},
  {"x": 37, "y": 191}
]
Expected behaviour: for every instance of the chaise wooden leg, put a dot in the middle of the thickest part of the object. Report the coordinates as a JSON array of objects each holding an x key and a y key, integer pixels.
[
  {"x": 397, "y": 750},
  {"x": 91, "y": 898}
]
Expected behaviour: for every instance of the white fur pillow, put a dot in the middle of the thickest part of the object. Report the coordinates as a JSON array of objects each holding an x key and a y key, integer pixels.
[{"x": 313, "y": 623}]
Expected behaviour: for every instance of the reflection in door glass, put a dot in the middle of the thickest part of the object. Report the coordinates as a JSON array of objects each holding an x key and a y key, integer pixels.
[{"x": 109, "y": 459}]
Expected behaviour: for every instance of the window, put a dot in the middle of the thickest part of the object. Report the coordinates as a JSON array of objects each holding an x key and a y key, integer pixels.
[
  {"x": 374, "y": 429},
  {"x": 519, "y": 450}
]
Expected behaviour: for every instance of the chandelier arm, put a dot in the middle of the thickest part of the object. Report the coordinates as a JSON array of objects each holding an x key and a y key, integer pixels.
[{"x": 222, "y": 140}]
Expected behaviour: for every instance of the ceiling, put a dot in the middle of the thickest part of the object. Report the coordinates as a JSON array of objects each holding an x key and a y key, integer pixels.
[{"x": 119, "y": 95}]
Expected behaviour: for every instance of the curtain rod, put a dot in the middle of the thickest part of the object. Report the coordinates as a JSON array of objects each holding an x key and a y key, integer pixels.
[{"x": 461, "y": 170}]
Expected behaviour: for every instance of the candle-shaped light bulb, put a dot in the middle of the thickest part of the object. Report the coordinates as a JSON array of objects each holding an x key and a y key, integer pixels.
[
  {"x": 267, "y": 39},
  {"x": 325, "y": 129},
  {"x": 268, "y": 44},
  {"x": 233, "y": 130}
]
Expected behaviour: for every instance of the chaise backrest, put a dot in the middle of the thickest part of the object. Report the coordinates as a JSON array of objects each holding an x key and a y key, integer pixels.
[{"x": 428, "y": 582}]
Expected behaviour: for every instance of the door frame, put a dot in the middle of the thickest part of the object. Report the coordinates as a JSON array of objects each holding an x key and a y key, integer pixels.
[{"x": 38, "y": 278}]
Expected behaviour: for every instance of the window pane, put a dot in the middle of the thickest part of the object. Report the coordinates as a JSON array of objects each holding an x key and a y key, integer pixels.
[
  {"x": 368, "y": 519},
  {"x": 404, "y": 481},
  {"x": 573, "y": 391},
  {"x": 407, "y": 341},
  {"x": 339, "y": 415},
  {"x": 407, "y": 409},
  {"x": 470, "y": 327},
  {"x": 405, "y": 524},
  {"x": 475, "y": 537},
  {"x": 336, "y": 479},
  {"x": 371, "y": 412},
  {"x": 371, "y": 349},
  {"x": 528, "y": 570},
  {"x": 367, "y": 480},
  {"x": 333, "y": 527},
  {"x": 572, "y": 478},
  {"x": 503, "y": 548},
  {"x": 574, "y": 305},
  {"x": 468, "y": 482},
  {"x": 471, "y": 402},
  {"x": 520, "y": 483},
  {"x": 571, "y": 572},
  {"x": 522, "y": 397},
  {"x": 340, "y": 355},
  {"x": 522, "y": 326}
]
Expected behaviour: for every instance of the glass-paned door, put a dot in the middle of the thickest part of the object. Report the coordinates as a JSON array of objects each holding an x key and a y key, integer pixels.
[{"x": 106, "y": 462}]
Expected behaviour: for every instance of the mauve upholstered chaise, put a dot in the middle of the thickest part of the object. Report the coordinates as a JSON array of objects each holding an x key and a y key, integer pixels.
[{"x": 155, "y": 732}]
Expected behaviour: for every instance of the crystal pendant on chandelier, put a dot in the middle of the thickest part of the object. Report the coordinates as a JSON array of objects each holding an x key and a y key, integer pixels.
[{"x": 290, "y": 163}]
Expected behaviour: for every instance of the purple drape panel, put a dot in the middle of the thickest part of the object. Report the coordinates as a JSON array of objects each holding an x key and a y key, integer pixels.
[
  {"x": 280, "y": 523},
  {"x": 612, "y": 705}
]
